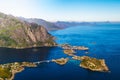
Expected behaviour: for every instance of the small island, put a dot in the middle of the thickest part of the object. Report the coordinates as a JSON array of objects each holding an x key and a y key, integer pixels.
[
  {"x": 92, "y": 64},
  {"x": 60, "y": 61},
  {"x": 67, "y": 46},
  {"x": 69, "y": 52},
  {"x": 8, "y": 71}
]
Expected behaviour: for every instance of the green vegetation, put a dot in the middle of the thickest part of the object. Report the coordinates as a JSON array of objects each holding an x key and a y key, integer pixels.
[
  {"x": 93, "y": 64},
  {"x": 50, "y": 42},
  {"x": 5, "y": 72},
  {"x": 15, "y": 33},
  {"x": 7, "y": 40}
]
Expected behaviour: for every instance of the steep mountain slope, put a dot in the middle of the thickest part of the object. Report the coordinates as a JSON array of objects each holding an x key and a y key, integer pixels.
[
  {"x": 48, "y": 25},
  {"x": 15, "y": 33}
]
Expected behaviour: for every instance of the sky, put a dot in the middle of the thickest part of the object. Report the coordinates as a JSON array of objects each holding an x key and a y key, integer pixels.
[{"x": 63, "y": 10}]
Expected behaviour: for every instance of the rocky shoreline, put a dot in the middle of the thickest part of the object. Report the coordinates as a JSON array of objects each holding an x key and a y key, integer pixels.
[
  {"x": 60, "y": 61},
  {"x": 92, "y": 64},
  {"x": 69, "y": 47},
  {"x": 69, "y": 52},
  {"x": 8, "y": 71}
]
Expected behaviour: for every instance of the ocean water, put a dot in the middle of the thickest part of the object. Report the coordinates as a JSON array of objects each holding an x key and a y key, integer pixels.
[{"x": 103, "y": 42}]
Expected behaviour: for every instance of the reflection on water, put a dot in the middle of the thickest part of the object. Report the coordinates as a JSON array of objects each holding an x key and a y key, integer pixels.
[{"x": 19, "y": 55}]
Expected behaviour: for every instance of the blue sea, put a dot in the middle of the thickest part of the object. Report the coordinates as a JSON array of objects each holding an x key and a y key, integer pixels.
[{"x": 103, "y": 42}]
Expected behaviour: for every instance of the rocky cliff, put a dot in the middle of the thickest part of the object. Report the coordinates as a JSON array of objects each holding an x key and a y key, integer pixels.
[
  {"x": 48, "y": 25},
  {"x": 15, "y": 33}
]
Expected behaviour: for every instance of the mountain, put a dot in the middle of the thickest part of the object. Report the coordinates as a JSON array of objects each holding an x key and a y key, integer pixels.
[
  {"x": 15, "y": 33},
  {"x": 54, "y": 25},
  {"x": 65, "y": 24},
  {"x": 48, "y": 25}
]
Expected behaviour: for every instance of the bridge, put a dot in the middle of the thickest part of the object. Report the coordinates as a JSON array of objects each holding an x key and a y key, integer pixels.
[{"x": 38, "y": 62}]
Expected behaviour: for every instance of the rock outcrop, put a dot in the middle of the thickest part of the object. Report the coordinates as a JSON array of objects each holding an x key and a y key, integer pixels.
[
  {"x": 92, "y": 64},
  {"x": 61, "y": 61},
  {"x": 15, "y": 33},
  {"x": 69, "y": 52}
]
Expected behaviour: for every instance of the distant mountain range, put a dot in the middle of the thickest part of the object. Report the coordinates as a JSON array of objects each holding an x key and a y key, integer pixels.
[
  {"x": 62, "y": 24},
  {"x": 48, "y": 25},
  {"x": 19, "y": 32},
  {"x": 53, "y": 25},
  {"x": 65, "y": 24}
]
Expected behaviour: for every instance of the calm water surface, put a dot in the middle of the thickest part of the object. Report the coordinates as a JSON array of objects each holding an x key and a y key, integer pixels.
[{"x": 103, "y": 41}]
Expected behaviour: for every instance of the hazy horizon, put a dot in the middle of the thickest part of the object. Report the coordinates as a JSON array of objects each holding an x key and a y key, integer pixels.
[{"x": 64, "y": 10}]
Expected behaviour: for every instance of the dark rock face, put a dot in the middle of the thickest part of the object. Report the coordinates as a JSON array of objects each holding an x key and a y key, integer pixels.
[{"x": 15, "y": 33}]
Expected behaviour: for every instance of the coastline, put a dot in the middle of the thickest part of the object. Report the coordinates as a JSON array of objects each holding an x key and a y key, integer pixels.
[{"x": 14, "y": 73}]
